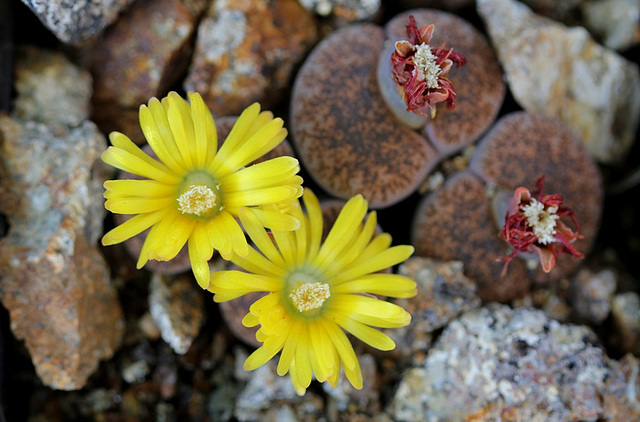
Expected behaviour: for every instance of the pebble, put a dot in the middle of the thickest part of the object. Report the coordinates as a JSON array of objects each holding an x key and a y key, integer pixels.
[
  {"x": 563, "y": 73},
  {"x": 76, "y": 21},
  {"x": 615, "y": 22},
  {"x": 625, "y": 310},
  {"x": 592, "y": 293},
  {"x": 177, "y": 308},
  {"x": 498, "y": 363}
]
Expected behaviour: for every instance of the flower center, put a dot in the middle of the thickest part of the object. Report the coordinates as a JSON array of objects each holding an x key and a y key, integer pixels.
[
  {"x": 425, "y": 62},
  {"x": 309, "y": 296},
  {"x": 200, "y": 196},
  {"x": 197, "y": 200},
  {"x": 541, "y": 220}
]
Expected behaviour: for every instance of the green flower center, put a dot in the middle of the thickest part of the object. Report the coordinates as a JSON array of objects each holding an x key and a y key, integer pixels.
[{"x": 199, "y": 195}]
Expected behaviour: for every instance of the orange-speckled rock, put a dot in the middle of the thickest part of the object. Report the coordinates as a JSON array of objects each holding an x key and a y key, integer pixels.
[{"x": 246, "y": 50}]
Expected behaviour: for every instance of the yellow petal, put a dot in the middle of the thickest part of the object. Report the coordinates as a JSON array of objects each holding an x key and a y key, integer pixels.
[
  {"x": 206, "y": 136},
  {"x": 314, "y": 211},
  {"x": 270, "y": 195},
  {"x": 138, "y": 205},
  {"x": 370, "y": 336},
  {"x": 236, "y": 235},
  {"x": 381, "y": 261},
  {"x": 132, "y": 227},
  {"x": 392, "y": 285},
  {"x": 181, "y": 128},
  {"x": 276, "y": 220},
  {"x": 267, "y": 173},
  {"x": 144, "y": 188},
  {"x": 199, "y": 266},
  {"x": 159, "y": 136},
  {"x": 237, "y": 136},
  {"x": 124, "y": 160},
  {"x": 261, "y": 142},
  {"x": 259, "y": 236}
]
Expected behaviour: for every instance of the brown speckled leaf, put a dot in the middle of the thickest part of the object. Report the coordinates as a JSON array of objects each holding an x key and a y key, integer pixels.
[
  {"x": 345, "y": 136},
  {"x": 479, "y": 85},
  {"x": 522, "y": 147},
  {"x": 456, "y": 223}
]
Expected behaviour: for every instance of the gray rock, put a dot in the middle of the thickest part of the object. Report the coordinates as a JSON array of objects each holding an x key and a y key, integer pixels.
[
  {"x": 177, "y": 307},
  {"x": 496, "y": 363},
  {"x": 563, "y": 73},
  {"x": 50, "y": 88},
  {"x": 443, "y": 293},
  {"x": 591, "y": 294},
  {"x": 76, "y": 21},
  {"x": 54, "y": 282},
  {"x": 625, "y": 310},
  {"x": 615, "y": 22}
]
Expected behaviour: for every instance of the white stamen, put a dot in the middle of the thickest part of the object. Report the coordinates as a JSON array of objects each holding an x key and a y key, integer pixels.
[
  {"x": 308, "y": 296},
  {"x": 426, "y": 65},
  {"x": 197, "y": 200},
  {"x": 543, "y": 221}
]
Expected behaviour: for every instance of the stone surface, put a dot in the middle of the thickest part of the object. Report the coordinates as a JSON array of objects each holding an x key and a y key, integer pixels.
[
  {"x": 563, "y": 73},
  {"x": 559, "y": 10},
  {"x": 177, "y": 307},
  {"x": 246, "y": 50},
  {"x": 615, "y": 22},
  {"x": 344, "y": 10},
  {"x": 625, "y": 310},
  {"x": 343, "y": 132},
  {"x": 443, "y": 294},
  {"x": 496, "y": 363},
  {"x": 50, "y": 89},
  {"x": 479, "y": 85},
  {"x": 591, "y": 294},
  {"x": 142, "y": 55},
  {"x": 54, "y": 282},
  {"x": 76, "y": 21},
  {"x": 620, "y": 399}
]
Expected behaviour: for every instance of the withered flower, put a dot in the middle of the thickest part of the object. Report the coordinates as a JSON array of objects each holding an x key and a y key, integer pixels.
[
  {"x": 421, "y": 70},
  {"x": 533, "y": 225}
]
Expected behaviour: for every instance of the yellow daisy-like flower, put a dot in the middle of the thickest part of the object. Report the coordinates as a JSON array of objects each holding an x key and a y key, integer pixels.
[
  {"x": 317, "y": 291},
  {"x": 194, "y": 192}
]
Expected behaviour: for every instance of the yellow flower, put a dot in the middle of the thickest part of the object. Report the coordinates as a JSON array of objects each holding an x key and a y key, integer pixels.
[
  {"x": 315, "y": 291},
  {"x": 194, "y": 192}
]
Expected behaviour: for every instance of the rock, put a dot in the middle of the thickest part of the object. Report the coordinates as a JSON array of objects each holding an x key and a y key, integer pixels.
[
  {"x": 563, "y": 73},
  {"x": 591, "y": 294},
  {"x": 615, "y": 22},
  {"x": 142, "y": 55},
  {"x": 443, "y": 294},
  {"x": 558, "y": 10},
  {"x": 496, "y": 363},
  {"x": 50, "y": 88},
  {"x": 620, "y": 398},
  {"x": 349, "y": 403},
  {"x": 344, "y": 10},
  {"x": 76, "y": 21},
  {"x": 177, "y": 307},
  {"x": 246, "y": 50},
  {"x": 54, "y": 281},
  {"x": 625, "y": 310}
]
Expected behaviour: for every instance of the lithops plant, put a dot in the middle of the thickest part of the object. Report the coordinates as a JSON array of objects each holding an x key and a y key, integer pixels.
[
  {"x": 479, "y": 85},
  {"x": 463, "y": 219},
  {"x": 344, "y": 134}
]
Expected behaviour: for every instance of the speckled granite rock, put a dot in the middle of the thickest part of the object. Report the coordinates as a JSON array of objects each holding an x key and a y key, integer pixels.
[
  {"x": 50, "y": 88},
  {"x": 563, "y": 73},
  {"x": 177, "y": 307},
  {"x": 496, "y": 363},
  {"x": 75, "y": 21},
  {"x": 443, "y": 294},
  {"x": 54, "y": 281},
  {"x": 246, "y": 50},
  {"x": 344, "y": 10},
  {"x": 615, "y": 22}
]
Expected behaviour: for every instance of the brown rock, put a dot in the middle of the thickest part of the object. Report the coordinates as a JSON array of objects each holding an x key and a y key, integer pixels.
[
  {"x": 54, "y": 282},
  {"x": 479, "y": 84},
  {"x": 456, "y": 223},
  {"x": 142, "y": 55},
  {"x": 246, "y": 50},
  {"x": 345, "y": 136},
  {"x": 520, "y": 148}
]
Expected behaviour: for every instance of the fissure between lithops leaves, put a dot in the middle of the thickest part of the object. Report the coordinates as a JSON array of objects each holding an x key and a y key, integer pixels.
[{"x": 199, "y": 196}]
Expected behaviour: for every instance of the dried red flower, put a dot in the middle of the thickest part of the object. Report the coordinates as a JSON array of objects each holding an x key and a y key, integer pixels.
[
  {"x": 533, "y": 225},
  {"x": 421, "y": 71}
]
